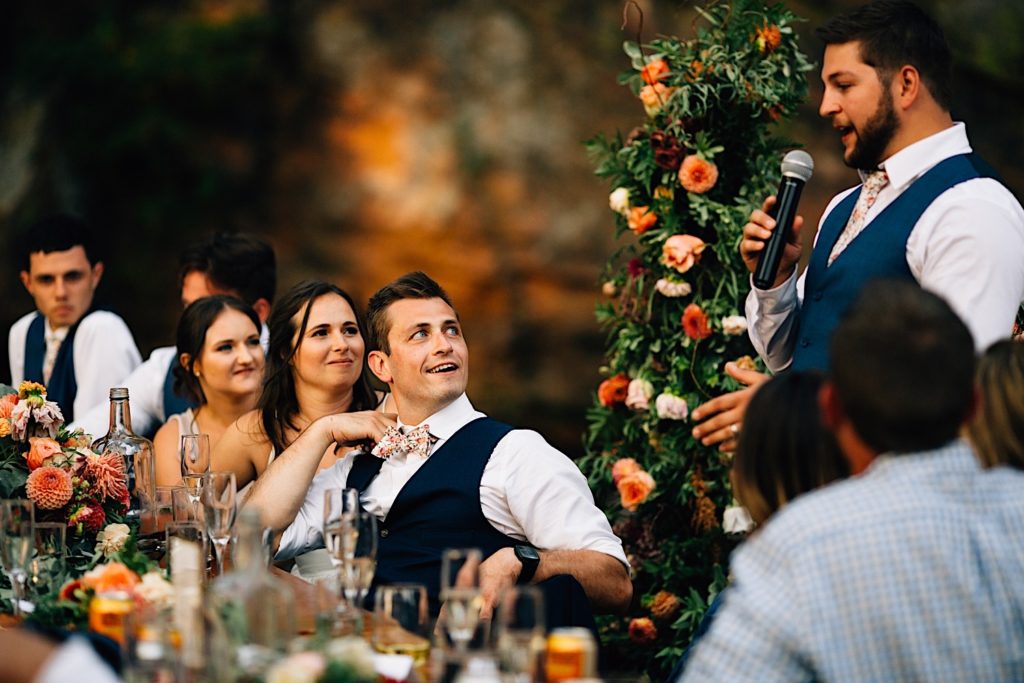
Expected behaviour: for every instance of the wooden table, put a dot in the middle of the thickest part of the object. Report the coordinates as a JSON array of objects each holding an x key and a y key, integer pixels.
[{"x": 305, "y": 601}]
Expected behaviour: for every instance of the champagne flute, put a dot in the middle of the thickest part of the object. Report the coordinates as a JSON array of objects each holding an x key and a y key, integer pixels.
[
  {"x": 518, "y": 632},
  {"x": 339, "y": 506},
  {"x": 460, "y": 593},
  {"x": 218, "y": 496},
  {"x": 17, "y": 540},
  {"x": 195, "y": 463},
  {"x": 358, "y": 556}
]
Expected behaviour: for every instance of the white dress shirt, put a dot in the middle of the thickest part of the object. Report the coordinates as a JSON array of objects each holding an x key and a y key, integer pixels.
[
  {"x": 967, "y": 247},
  {"x": 104, "y": 354},
  {"x": 145, "y": 394},
  {"x": 75, "y": 660},
  {"x": 529, "y": 491}
]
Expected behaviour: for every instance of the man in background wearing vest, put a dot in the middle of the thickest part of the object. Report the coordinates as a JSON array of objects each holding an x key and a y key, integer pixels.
[
  {"x": 77, "y": 352},
  {"x": 928, "y": 210},
  {"x": 460, "y": 479},
  {"x": 239, "y": 264}
]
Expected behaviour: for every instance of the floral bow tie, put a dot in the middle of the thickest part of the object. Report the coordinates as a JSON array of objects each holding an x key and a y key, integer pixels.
[{"x": 394, "y": 441}]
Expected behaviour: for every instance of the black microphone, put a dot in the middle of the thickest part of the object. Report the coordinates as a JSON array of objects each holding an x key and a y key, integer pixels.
[{"x": 797, "y": 167}]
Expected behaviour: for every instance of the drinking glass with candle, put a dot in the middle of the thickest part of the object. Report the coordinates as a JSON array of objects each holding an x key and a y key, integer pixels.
[{"x": 401, "y": 622}]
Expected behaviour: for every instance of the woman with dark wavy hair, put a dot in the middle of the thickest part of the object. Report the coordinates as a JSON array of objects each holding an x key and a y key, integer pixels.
[
  {"x": 220, "y": 369},
  {"x": 315, "y": 367}
]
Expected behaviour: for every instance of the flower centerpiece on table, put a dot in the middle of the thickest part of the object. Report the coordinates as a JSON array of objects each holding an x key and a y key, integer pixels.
[
  {"x": 682, "y": 183},
  {"x": 342, "y": 660}
]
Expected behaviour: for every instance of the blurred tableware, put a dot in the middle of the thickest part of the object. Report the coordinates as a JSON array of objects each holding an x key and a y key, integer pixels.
[
  {"x": 400, "y": 623},
  {"x": 339, "y": 505},
  {"x": 186, "y": 549},
  {"x": 460, "y": 594},
  {"x": 195, "y": 463},
  {"x": 517, "y": 633},
  {"x": 48, "y": 559},
  {"x": 219, "y": 498},
  {"x": 17, "y": 541}
]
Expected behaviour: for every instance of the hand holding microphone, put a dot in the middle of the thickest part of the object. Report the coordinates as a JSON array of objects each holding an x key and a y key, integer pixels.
[{"x": 766, "y": 247}]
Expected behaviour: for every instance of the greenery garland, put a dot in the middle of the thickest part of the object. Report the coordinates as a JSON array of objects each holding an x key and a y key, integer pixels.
[{"x": 684, "y": 183}]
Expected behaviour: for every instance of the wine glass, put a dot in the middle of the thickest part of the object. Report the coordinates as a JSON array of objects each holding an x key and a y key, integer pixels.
[
  {"x": 218, "y": 496},
  {"x": 400, "y": 624},
  {"x": 460, "y": 594},
  {"x": 339, "y": 506},
  {"x": 17, "y": 540},
  {"x": 358, "y": 556},
  {"x": 195, "y": 463},
  {"x": 517, "y": 632},
  {"x": 47, "y": 562}
]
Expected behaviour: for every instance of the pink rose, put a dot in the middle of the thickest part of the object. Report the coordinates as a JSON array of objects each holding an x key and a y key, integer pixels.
[{"x": 682, "y": 252}]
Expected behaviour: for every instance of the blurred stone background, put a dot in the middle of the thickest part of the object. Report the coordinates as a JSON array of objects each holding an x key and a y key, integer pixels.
[{"x": 369, "y": 139}]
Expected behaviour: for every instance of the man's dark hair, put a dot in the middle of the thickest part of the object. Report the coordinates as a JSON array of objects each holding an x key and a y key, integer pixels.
[
  {"x": 58, "y": 232},
  {"x": 893, "y": 33},
  {"x": 239, "y": 262},
  {"x": 903, "y": 368},
  {"x": 415, "y": 285}
]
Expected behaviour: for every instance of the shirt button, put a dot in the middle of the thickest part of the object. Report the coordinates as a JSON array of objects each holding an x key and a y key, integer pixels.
[
  {"x": 805, "y": 342},
  {"x": 817, "y": 296},
  {"x": 383, "y": 533}
]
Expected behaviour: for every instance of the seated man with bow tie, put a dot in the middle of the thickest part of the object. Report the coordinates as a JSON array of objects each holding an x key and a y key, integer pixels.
[
  {"x": 76, "y": 351},
  {"x": 457, "y": 478}
]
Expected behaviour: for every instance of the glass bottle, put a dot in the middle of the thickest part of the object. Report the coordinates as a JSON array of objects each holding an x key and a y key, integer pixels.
[
  {"x": 139, "y": 459},
  {"x": 254, "y": 607}
]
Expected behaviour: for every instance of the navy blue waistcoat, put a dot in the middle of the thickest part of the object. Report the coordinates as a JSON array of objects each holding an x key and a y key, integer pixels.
[
  {"x": 879, "y": 251},
  {"x": 62, "y": 387},
  {"x": 439, "y": 507},
  {"x": 174, "y": 403}
]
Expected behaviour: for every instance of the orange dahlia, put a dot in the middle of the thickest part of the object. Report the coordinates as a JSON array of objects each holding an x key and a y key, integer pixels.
[
  {"x": 49, "y": 487},
  {"x": 768, "y": 38},
  {"x": 665, "y": 605},
  {"x": 695, "y": 322},
  {"x": 642, "y": 630},
  {"x": 111, "y": 576},
  {"x": 106, "y": 472},
  {"x": 613, "y": 390},
  {"x": 7, "y": 404},
  {"x": 697, "y": 175}
]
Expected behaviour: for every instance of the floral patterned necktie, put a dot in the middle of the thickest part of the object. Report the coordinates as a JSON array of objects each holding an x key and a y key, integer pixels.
[
  {"x": 873, "y": 184},
  {"x": 417, "y": 440}
]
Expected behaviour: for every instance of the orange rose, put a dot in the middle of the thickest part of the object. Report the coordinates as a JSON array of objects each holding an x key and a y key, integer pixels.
[
  {"x": 40, "y": 450},
  {"x": 697, "y": 175},
  {"x": 695, "y": 322},
  {"x": 641, "y": 219},
  {"x": 654, "y": 71},
  {"x": 112, "y": 576},
  {"x": 613, "y": 390},
  {"x": 634, "y": 489},
  {"x": 642, "y": 631},
  {"x": 654, "y": 97},
  {"x": 624, "y": 467},
  {"x": 682, "y": 252},
  {"x": 665, "y": 605},
  {"x": 7, "y": 403}
]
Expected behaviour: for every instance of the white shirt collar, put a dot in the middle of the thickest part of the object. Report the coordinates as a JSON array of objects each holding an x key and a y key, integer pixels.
[
  {"x": 54, "y": 334},
  {"x": 908, "y": 164},
  {"x": 450, "y": 419}
]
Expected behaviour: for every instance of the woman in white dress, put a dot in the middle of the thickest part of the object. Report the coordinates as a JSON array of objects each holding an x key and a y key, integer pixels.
[{"x": 220, "y": 368}]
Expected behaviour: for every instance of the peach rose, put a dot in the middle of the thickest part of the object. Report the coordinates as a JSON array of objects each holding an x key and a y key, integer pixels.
[
  {"x": 695, "y": 322},
  {"x": 654, "y": 97},
  {"x": 641, "y": 219},
  {"x": 40, "y": 450},
  {"x": 112, "y": 576},
  {"x": 697, "y": 175},
  {"x": 654, "y": 71},
  {"x": 624, "y": 467},
  {"x": 613, "y": 390},
  {"x": 682, "y": 252},
  {"x": 7, "y": 403},
  {"x": 638, "y": 396},
  {"x": 642, "y": 631},
  {"x": 635, "y": 488}
]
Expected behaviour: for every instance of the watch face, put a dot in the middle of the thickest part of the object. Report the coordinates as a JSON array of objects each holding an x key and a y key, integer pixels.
[{"x": 527, "y": 552}]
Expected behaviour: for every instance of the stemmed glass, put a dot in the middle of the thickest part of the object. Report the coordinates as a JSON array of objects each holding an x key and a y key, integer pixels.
[
  {"x": 17, "y": 540},
  {"x": 47, "y": 562},
  {"x": 400, "y": 624},
  {"x": 195, "y": 463},
  {"x": 517, "y": 631},
  {"x": 460, "y": 593},
  {"x": 218, "y": 496}
]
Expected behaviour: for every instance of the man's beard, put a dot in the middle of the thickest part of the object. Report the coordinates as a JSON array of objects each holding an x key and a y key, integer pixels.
[{"x": 875, "y": 136}]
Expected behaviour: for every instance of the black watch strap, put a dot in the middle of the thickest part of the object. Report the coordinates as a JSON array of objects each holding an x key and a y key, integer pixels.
[{"x": 530, "y": 559}]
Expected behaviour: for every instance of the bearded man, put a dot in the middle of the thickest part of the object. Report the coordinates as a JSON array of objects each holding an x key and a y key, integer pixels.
[{"x": 928, "y": 211}]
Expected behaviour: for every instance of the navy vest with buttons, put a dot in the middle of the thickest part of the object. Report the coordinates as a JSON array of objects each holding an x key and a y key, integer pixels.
[
  {"x": 879, "y": 251},
  {"x": 439, "y": 507},
  {"x": 62, "y": 387},
  {"x": 174, "y": 403}
]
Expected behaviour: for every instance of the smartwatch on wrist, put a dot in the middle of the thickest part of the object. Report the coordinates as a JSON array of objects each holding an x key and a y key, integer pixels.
[{"x": 530, "y": 558}]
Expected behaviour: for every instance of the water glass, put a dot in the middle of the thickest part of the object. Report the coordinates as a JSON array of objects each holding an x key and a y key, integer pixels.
[
  {"x": 340, "y": 505},
  {"x": 186, "y": 551},
  {"x": 460, "y": 595},
  {"x": 17, "y": 540},
  {"x": 517, "y": 633},
  {"x": 219, "y": 508},
  {"x": 195, "y": 463},
  {"x": 400, "y": 623}
]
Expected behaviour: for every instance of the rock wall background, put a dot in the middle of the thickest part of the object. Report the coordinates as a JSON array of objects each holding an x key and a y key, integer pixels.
[{"x": 365, "y": 140}]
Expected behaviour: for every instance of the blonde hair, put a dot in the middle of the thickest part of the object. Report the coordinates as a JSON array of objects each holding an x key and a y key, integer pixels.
[{"x": 997, "y": 430}]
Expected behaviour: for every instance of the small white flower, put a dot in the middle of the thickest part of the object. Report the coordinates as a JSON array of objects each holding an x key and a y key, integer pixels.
[
  {"x": 671, "y": 407},
  {"x": 618, "y": 200},
  {"x": 304, "y": 667},
  {"x": 155, "y": 589},
  {"x": 672, "y": 289},
  {"x": 355, "y": 652},
  {"x": 638, "y": 395},
  {"x": 736, "y": 520},
  {"x": 734, "y": 324},
  {"x": 112, "y": 539}
]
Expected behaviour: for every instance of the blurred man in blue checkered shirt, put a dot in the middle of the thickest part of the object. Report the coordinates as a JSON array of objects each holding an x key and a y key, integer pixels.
[{"x": 913, "y": 570}]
